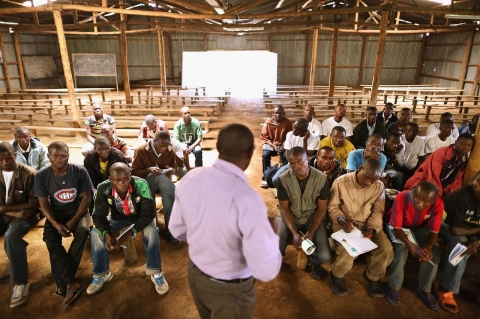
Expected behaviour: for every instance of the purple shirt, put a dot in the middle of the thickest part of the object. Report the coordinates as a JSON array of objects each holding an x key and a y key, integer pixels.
[{"x": 225, "y": 224}]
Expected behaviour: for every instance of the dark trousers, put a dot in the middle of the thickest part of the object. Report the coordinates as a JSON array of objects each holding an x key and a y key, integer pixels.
[
  {"x": 65, "y": 264},
  {"x": 220, "y": 300},
  {"x": 267, "y": 159}
]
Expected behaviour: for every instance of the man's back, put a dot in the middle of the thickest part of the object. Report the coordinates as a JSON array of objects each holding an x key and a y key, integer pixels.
[{"x": 225, "y": 223}]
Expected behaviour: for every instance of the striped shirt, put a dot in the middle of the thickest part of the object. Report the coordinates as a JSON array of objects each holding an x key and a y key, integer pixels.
[
  {"x": 403, "y": 213},
  {"x": 96, "y": 125},
  {"x": 120, "y": 144}
]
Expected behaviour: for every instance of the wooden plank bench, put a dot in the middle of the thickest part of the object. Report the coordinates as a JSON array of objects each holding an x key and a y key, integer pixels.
[
  {"x": 12, "y": 123},
  {"x": 91, "y": 91}
]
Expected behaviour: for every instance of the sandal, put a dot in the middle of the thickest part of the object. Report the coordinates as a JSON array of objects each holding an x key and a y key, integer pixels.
[
  {"x": 60, "y": 292},
  {"x": 264, "y": 184},
  {"x": 74, "y": 293},
  {"x": 446, "y": 298},
  {"x": 427, "y": 301},
  {"x": 392, "y": 297}
]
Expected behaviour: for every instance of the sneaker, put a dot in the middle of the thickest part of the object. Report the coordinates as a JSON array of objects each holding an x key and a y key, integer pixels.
[
  {"x": 316, "y": 272},
  {"x": 20, "y": 293},
  {"x": 338, "y": 285},
  {"x": 161, "y": 285},
  {"x": 374, "y": 288},
  {"x": 264, "y": 184},
  {"x": 97, "y": 283}
]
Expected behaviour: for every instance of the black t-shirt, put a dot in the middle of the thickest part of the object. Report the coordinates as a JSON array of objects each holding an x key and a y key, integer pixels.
[
  {"x": 462, "y": 208},
  {"x": 282, "y": 192}
]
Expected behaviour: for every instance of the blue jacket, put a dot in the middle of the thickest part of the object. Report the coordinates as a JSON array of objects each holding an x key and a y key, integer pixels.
[{"x": 38, "y": 154}]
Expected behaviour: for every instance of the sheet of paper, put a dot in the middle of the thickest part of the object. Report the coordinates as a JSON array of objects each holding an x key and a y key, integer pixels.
[
  {"x": 394, "y": 239},
  {"x": 455, "y": 257},
  {"x": 354, "y": 242},
  {"x": 125, "y": 231}
]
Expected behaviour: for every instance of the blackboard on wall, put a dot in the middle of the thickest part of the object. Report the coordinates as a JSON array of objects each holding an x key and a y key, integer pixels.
[
  {"x": 94, "y": 64},
  {"x": 39, "y": 66}
]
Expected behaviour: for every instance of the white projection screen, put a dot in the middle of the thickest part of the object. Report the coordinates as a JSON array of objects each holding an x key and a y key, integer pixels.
[{"x": 244, "y": 73}]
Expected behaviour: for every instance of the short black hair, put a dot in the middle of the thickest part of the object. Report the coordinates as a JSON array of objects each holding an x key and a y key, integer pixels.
[
  {"x": 406, "y": 109},
  {"x": 447, "y": 115},
  {"x": 326, "y": 147},
  {"x": 58, "y": 145},
  {"x": 101, "y": 140},
  {"x": 21, "y": 129},
  {"x": 394, "y": 133},
  {"x": 413, "y": 124},
  {"x": 445, "y": 122},
  {"x": 7, "y": 148},
  {"x": 372, "y": 108},
  {"x": 296, "y": 151},
  {"x": 466, "y": 135},
  {"x": 162, "y": 135},
  {"x": 427, "y": 187},
  {"x": 339, "y": 128},
  {"x": 279, "y": 107},
  {"x": 375, "y": 136},
  {"x": 390, "y": 104}
]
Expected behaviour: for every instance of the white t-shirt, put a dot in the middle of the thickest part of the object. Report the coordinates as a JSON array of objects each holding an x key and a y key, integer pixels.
[
  {"x": 7, "y": 177},
  {"x": 433, "y": 143},
  {"x": 413, "y": 151},
  {"x": 315, "y": 127},
  {"x": 178, "y": 147},
  {"x": 330, "y": 123},
  {"x": 292, "y": 140},
  {"x": 434, "y": 129}
]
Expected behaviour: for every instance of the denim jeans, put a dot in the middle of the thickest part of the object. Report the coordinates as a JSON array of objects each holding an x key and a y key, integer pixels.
[
  {"x": 65, "y": 264},
  {"x": 16, "y": 248},
  {"x": 321, "y": 255},
  {"x": 427, "y": 271},
  {"x": 268, "y": 152},
  {"x": 150, "y": 239},
  {"x": 161, "y": 184},
  {"x": 277, "y": 174},
  {"x": 197, "y": 151},
  {"x": 451, "y": 275}
]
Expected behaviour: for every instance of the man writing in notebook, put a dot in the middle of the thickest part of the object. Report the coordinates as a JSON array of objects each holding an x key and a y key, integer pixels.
[
  {"x": 358, "y": 200},
  {"x": 421, "y": 211}
]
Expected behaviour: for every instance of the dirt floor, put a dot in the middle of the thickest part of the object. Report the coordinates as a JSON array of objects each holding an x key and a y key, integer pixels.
[{"x": 293, "y": 294}]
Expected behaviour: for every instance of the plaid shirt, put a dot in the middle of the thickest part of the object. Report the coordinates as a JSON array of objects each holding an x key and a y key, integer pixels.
[{"x": 124, "y": 206}]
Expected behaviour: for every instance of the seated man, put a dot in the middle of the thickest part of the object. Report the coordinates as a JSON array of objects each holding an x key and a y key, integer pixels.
[
  {"x": 444, "y": 138},
  {"x": 150, "y": 126},
  {"x": 372, "y": 149},
  {"x": 93, "y": 125},
  {"x": 367, "y": 127},
  {"x": 414, "y": 150},
  {"x": 29, "y": 150},
  {"x": 112, "y": 196},
  {"x": 300, "y": 136},
  {"x": 463, "y": 220},
  {"x": 116, "y": 142},
  {"x": 395, "y": 153},
  {"x": 98, "y": 161},
  {"x": 302, "y": 194},
  {"x": 64, "y": 191},
  {"x": 18, "y": 209},
  {"x": 399, "y": 126},
  {"x": 434, "y": 129},
  {"x": 188, "y": 130},
  {"x": 155, "y": 161},
  {"x": 387, "y": 116},
  {"x": 337, "y": 141},
  {"x": 328, "y": 164},
  {"x": 337, "y": 120},
  {"x": 358, "y": 200},
  {"x": 182, "y": 166},
  {"x": 420, "y": 210},
  {"x": 273, "y": 135},
  {"x": 470, "y": 128},
  {"x": 445, "y": 167},
  {"x": 314, "y": 125}
]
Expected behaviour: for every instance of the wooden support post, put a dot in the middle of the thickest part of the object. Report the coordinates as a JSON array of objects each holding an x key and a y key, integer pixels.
[
  {"x": 333, "y": 60},
  {"x": 124, "y": 57},
  {"x": 378, "y": 62},
  {"x": 35, "y": 18},
  {"x": 67, "y": 72},
  {"x": 104, "y": 3},
  {"x": 307, "y": 58},
  {"x": 19, "y": 61},
  {"x": 271, "y": 43},
  {"x": 362, "y": 60},
  {"x": 75, "y": 17},
  {"x": 466, "y": 58},
  {"x": 205, "y": 42},
  {"x": 314, "y": 60},
  {"x": 168, "y": 55},
  {"x": 94, "y": 17},
  {"x": 476, "y": 78},
  {"x": 6, "y": 73},
  {"x": 161, "y": 56},
  {"x": 473, "y": 164},
  {"x": 420, "y": 59},
  {"x": 357, "y": 4}
]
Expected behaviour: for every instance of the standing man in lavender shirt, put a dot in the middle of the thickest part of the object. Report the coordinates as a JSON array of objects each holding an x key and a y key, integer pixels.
[{"x": 242, "y": 247}]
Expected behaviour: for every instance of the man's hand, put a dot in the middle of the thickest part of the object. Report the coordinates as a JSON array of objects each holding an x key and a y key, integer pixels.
[
  {"x": 387, "y": 181},
  {"x": 154, "y": 170},
  {"x": 422, "y": 254},
  {"x": 279, "y": 148},
  {"x": 472, "y": 248},
  {"x": 372, "y": 154},
  {"x": 332, "y": 166},
  {"x": 19, "y": 214},
  {"x": 63, "y": 230},
  {"x": 309, "y": 235},
  {"x": 306, "y": 136},
  {"x": 189, "y": 149},
  {"x": 297, "y": 241},
  {"x": 346, "y": 226},
  {"x": 399, "y": 148},
  {"x": 368, "y": 233},
  {"x": 72, "y": 224},
  {"x": 110, "y": 242}
]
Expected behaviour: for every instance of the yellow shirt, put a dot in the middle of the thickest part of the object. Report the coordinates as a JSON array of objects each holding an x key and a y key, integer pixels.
[
  {"x": 103, "y": 168},
  {"x": 341, "y": 153}
]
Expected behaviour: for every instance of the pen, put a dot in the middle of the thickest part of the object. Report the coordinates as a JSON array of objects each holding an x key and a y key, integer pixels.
[
  {"x": 123, "y": 246},
  {"x": 421, "y": 253}
]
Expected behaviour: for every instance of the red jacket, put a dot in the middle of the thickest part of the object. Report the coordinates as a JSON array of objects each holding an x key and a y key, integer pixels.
[
  {"x": 430, "y": 171},
  {"x": 276, "y": 132}
]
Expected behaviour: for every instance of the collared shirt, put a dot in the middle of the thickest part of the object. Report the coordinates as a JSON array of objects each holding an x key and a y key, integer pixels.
[
  {"x": 371, "y": 129},
  {"x": 225, "y": 224},
  {"x": 353, "y": 202},
  {"x": 453, "y": 164},
  {"x": 124, "y": 206},
  {"x": 24, "y": 151},
  {"x": 120, "y": 144},
  {"x": 96, "y": 125}
]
